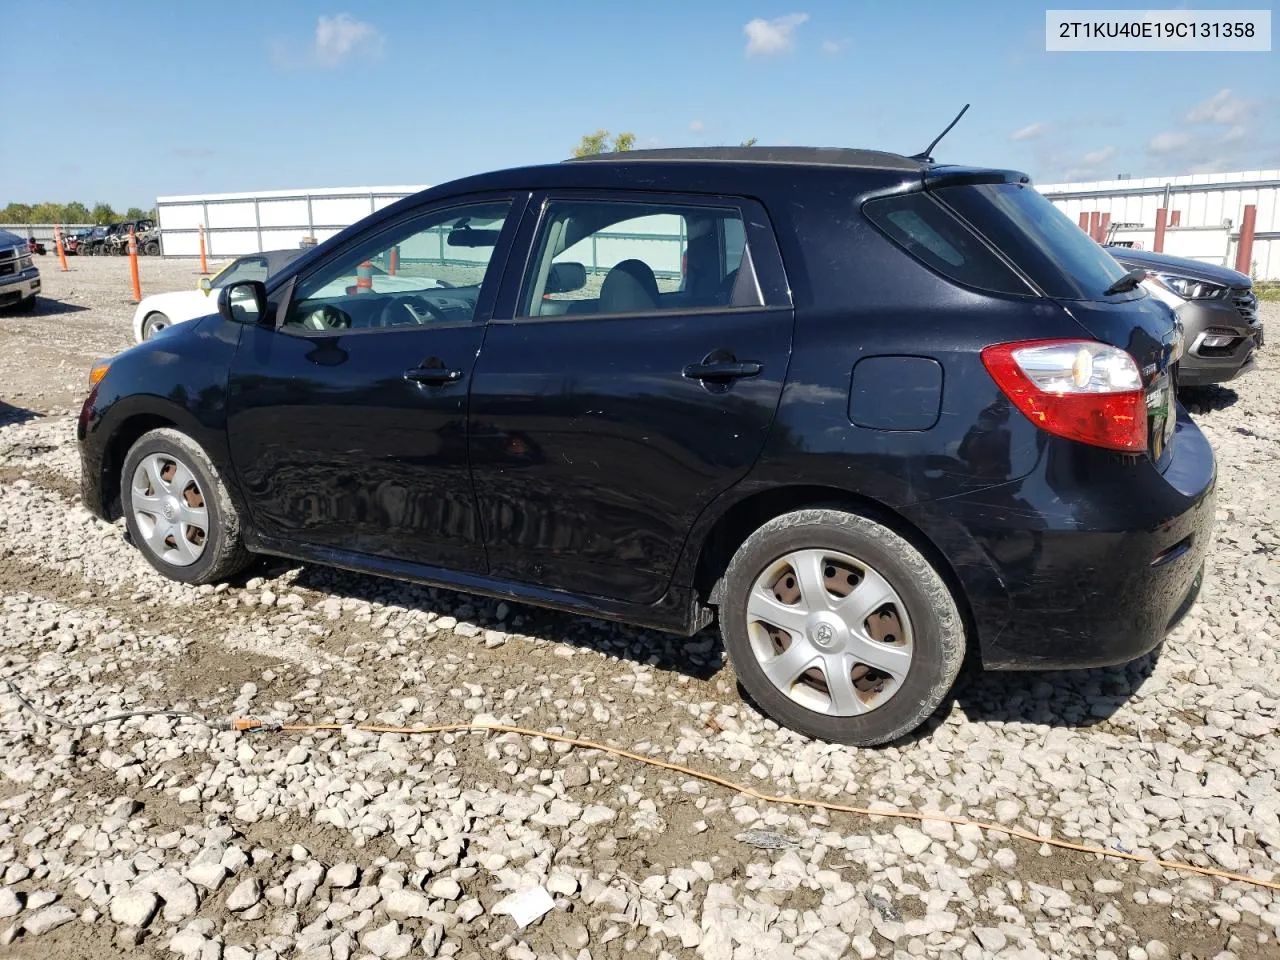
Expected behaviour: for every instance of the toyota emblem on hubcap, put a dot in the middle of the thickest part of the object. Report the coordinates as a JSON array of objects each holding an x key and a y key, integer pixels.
[
  {"x": 823, "y": 634},
  {"x": 169, "y": 511}
]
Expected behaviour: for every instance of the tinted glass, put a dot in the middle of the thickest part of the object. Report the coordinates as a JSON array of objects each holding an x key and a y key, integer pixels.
[
  {"x": 1054, "y": 252},
  {"x": 612, "y": 257},
  {"x": 246, "y": 268},
  {"x": 931, "y": 234},
  {"x": 422, "y": 272}
]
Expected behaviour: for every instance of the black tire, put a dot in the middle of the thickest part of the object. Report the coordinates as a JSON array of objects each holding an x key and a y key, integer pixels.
[
  {"x": 153, "y": 323},
  {"x": 223, "y": 553},
  {"x": 151, "y": 248},
  {"x": 938, "y": 634}
]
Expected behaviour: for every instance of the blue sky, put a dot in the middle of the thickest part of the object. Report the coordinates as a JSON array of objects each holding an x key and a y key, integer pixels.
[{"x": 156, "y": 98}]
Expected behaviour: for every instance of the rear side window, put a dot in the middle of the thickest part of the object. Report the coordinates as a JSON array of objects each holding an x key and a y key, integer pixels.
[
  {"x": 1054, "y": 252},
  {"x": 929, "y": 232}
]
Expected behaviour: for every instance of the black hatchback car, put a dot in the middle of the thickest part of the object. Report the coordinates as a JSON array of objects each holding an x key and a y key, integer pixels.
[{"x": 870, "y": 412}]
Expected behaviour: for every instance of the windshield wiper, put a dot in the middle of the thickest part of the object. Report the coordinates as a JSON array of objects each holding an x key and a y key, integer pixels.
[{"x": 1127, "y": 282}]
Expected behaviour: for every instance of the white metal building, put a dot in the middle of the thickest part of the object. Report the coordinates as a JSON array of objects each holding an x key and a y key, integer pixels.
[
  {"x": 1209, "y": 208},
  {"x": 238, "y": 223}
]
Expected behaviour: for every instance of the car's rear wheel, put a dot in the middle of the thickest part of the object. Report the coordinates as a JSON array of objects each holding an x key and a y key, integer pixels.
[
  {"x": 839, "y": 628},
  {"x": 153, "y": 323},
  {"x": 177, "y": 509}
]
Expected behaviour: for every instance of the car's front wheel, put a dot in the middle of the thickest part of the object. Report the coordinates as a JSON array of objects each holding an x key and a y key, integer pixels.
[
  {"x": 153, "y": 324},
  {"x": 839, "y": 628},
  {"x": 177, "y": 509}
]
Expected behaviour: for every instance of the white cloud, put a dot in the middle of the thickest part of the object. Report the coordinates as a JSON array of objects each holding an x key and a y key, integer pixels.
[
  {"x": 833, "y": 47},
  {"x": 695, "y": 126},
  {"x": 1096, "y": 157},
  {"x": 1030, "y": 132},
  {"x": 1222, "y": 107},
  {"x": 1163, "y": 143},
  {"x": 768, "y": 37},
  {"x": 340, "y": 37},
  {"x": 1238, "y": 132}
]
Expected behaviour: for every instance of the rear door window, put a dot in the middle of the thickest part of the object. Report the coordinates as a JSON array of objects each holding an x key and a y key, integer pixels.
[
  {"x": 1055, "y": 253},
  {"x": 931, "y": 234}
]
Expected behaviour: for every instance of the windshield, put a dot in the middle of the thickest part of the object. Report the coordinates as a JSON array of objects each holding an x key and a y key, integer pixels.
[{"x": 1038, "y": 237}]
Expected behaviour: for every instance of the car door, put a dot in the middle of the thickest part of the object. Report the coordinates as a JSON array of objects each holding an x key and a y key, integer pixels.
[
  {"x": 633, "y": 378},
  {"x": 347, "y": 417}
]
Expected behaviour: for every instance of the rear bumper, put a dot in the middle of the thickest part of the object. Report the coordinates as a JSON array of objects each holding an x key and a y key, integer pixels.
[{"x": 1097, "y": 557}]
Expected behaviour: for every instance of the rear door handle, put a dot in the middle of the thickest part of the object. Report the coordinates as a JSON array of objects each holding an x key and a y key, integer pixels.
[
  {"x": 433, "y": 376},
  {"x": 723, "y": 370}
]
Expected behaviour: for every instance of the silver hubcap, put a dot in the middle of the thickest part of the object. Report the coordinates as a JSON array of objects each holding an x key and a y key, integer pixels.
[
  {"x": 155, "y": 326},
  {"x": 829, "y": 632},
  {"x": 169, "y": 509}
]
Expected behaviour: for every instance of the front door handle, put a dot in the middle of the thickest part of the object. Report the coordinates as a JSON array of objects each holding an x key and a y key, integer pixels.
[
  {"x": 723, "y": 370},
  {"x": 433, "y": 376}
]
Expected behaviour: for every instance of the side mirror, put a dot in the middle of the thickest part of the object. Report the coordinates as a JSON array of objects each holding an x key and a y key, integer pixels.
[
  {"x": 566, "y": 277},
  {"x": 243, "y": 302},
  {"x": 205, "y": 285}
]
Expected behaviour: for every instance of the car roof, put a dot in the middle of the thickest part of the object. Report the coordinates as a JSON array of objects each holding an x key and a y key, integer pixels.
[{"x": 802, "y": 156}]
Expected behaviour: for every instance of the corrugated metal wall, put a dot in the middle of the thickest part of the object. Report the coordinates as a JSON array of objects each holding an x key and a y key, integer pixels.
[
  {"x": 239, "y": 223},
  {"x": 1210, "y": 207}
]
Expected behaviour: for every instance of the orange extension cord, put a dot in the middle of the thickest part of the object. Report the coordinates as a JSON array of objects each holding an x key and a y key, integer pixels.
[{"x": 249, "y": 725}]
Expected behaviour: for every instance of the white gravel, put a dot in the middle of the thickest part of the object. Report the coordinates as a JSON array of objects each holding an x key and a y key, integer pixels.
[{"x": 159, "y": 837}]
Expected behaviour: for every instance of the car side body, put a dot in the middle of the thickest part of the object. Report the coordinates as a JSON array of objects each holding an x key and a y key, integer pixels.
[{"x": 593, "y": 464}]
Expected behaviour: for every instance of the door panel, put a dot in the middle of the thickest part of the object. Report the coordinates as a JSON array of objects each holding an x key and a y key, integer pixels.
[
  {"x": 347, "y": 421},
  {"x": 336, "y": 448},
  {"x": 593, "y": 447}
]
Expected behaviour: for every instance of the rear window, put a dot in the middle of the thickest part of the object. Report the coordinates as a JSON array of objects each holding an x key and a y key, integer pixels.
[
  {"x": 931, "y": 234},
  {"x": 1054, "y": 252}
]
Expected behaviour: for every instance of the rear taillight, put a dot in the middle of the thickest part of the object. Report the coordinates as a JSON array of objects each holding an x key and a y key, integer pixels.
[{"x": 1079, "y": 389}]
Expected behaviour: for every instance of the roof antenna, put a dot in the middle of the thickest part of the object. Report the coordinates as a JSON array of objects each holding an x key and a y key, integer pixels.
[{"x": 925, "y": 155}]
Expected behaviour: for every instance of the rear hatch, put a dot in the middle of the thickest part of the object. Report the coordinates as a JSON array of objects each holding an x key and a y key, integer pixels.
[{"x": 1066, "y": 265}]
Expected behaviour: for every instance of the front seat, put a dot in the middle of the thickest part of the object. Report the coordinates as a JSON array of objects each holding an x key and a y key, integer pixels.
[{"x": 630, "y": 287}]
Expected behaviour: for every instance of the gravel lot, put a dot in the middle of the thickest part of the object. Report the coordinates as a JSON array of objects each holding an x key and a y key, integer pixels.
[{"x": 159, "y": 837}]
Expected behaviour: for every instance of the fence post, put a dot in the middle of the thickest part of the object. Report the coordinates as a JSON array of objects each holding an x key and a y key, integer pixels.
[
  {"x": 1244, "y": 246},
  {"x": 1162, "y": 216},
  {"x": 204, "y": 264}
]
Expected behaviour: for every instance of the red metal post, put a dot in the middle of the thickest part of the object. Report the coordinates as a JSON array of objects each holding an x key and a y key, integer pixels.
[
  {"x": 393, "y": 266},
  {"x": 204, "y": 263},
  {"x": 1162, "y": 215},
  {"x": 62, "y": 253},
  {"x": 1103, "y": 226},
  {"x": 1095, "y": 217},
  {"x": 1244, "y": 248},
  {"x": 1084, "y": 221},
  {"x": 1175, "y": 218}
]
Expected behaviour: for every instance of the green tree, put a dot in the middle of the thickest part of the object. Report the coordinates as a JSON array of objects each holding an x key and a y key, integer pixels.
[
  {"x": 749, "y": 142},
  {"x": 16, "y": 213},
  {"x": 598, "y": 142},
  {"x": 75, "y": 212},
  {"x": 102, "y": 213},
  {"x": 46, "y": 213},
  {"x": 134, "y": 213}
]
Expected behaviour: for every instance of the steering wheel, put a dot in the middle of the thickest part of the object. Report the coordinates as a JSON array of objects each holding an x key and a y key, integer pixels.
[
  {"x": 326, "y": 317},
  {"x": 410, "y": 305}
]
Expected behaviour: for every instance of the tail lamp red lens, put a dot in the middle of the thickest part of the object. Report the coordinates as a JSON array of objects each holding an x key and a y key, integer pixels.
[{"x": 1079, "y": 389}]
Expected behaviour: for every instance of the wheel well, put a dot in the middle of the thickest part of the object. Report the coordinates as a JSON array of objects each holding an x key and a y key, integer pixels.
[
  {"x": 117, "y": 449},
  {"x": 744, "y": 518}
]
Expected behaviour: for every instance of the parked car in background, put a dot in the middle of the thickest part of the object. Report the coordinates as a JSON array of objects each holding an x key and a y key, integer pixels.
[
  {"x": 74, "y": 240},
  {"x": 1216, "y": 306},
  {"x": 161, "y": 310},
  {"x": 19, "y": 276},
  {"x": 867, "y": 435},
  {"x": 34, "y": 246}
]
